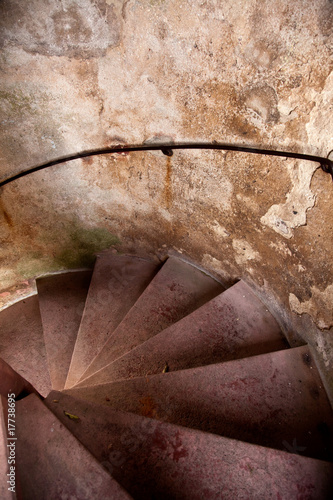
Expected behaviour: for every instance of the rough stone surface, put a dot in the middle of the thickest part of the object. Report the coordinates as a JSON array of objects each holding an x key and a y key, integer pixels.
[
  {"x": 88, "y": 74},
  {"x": 61, "y": 301},
  {"x": 22, "y": 343},
  {"x": 233, "y": 325},
  {"x": 273, "y": 400},
  {"x": 52, "y": 464},
  {"x": 153, "y": 459}
]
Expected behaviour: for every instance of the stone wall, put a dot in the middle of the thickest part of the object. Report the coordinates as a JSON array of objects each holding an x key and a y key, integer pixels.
[{"x": 78, "y": 75}]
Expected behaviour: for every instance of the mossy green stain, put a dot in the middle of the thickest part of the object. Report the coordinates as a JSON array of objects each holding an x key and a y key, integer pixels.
[
  {"x": 77, "y": 248},
  {"x": 20, "y": 102},
  {"x": 83, "y": 245}
]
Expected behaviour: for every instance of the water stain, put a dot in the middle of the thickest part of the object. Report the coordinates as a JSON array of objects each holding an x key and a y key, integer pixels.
[
  {"x": 6, "y": 215},
  {"x": 167, "y": 185},
  {"x": 148, "y": 407},
  {"x": 314, "y": 392},
  {"x": 8, "y": 218},
  {"x": 306, "y": 359}
]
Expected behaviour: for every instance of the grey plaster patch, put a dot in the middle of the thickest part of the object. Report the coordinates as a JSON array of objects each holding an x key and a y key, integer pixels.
[
  {"x": 262, "y": 101},
  {"x": 72, "y": 28},
  {"x": 244, "y": 252}
]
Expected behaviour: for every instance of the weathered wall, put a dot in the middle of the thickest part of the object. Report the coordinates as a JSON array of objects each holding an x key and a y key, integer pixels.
[{"x": 83, "y": 74}]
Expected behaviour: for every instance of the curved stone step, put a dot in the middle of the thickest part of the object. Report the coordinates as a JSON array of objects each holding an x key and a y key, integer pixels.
[
  {"x": 152, "y": 459},
  {"x": 177, "y": 290},
  {"x": 233, "y": 325},
  {"x": 52, "y": 464},
  {"x": 116, "y": 284},
  {"x": 22, "y": 343},
  {"x": 61, "y": 302},
  {"x": 12, "y": 383},
  {"x": 275, "y": 400}
]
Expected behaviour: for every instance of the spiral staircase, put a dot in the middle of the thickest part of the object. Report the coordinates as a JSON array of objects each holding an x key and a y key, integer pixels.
[{"x": 150, "y": 380}]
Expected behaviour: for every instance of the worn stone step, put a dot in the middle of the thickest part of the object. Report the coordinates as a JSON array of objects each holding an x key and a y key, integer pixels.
[
  {"x": 117, "y": 282},
  {"x": 176, "y": 291},
  {"x": 233, "y": 325},
  {"x": 152, "y": 459},
  {"x": 22, "y": 343},
  {"x": 52, "y": 463},
  {"x": 275, "y": 400},
  {"x": 12, "y": 383},
  {"x": 61, "y": 302}
]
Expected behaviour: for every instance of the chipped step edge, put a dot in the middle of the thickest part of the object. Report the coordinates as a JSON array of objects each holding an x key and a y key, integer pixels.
[
  {"x": 24, "y": 293},
  {"x": 164, "y": 254}
]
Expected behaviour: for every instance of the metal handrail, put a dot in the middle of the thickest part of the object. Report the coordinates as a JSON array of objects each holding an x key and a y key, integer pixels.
[{"x": 167, "y": 149}]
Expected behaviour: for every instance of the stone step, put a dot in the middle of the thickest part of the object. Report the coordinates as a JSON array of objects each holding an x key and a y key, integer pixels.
[
  {"x": 117, "y": 282},
  {"x": 52, "y": 464},
  {"x": 177, "y": 290},
  {"x": 61, "y": 302},
  {"x": 22, "y": 343},
  {"x": 274, "y": 400},
  {"x": 233, "y": 325},
  {"x": 153, "y": 459},
  {"x": 12, "y": 383}
]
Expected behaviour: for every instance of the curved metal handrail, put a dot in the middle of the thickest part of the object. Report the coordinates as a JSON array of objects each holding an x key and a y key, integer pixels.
[{"x": 325, "y": 163}]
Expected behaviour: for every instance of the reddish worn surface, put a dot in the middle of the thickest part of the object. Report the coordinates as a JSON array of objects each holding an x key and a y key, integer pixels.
[
  {"x": 117, "y": 283},
  {"x": 61, "y": 302},
  {"x": 52, "y": 464},
  {"x": 154, "y": 459},
  {"x": 22, "y": 343},
  {"x": 233, "y": 325},
  {"x": 274, "y": 400},
  {"x": 177, "y": 290},
  {"x": 12, "y": 382}
]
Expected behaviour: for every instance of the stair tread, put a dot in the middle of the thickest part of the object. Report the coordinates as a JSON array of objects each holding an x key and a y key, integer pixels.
[
  {"x": 233, "y": 325},
  {"x": 117, "y": 282},
  {"x": 5, "y": 494},
  {"x": 22, "y": 343},
  {"x": 52, "y": 463},
  {"x": 61, "y": 302},
  {"x": 12, "y": 382},
  {"x": 274, "y": 400},
  {"x": 176, "y": 291},
  {"x": 153, "y": 459}
]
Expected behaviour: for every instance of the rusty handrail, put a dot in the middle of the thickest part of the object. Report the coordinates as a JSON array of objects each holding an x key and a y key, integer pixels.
[{"x": 167, "y": 148}]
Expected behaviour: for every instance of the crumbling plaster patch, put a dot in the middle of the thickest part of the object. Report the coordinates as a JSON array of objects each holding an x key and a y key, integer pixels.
[
  {"x": 244, "y": 252},
  {"x": 315, "y": 306},
  {"x": 63, "y": 28},
  {"x": 284, "y": 218},
  {"x": 319, "y": 127}
]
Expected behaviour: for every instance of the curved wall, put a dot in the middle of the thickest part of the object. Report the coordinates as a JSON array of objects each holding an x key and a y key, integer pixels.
[{"x": 78, "y": 75}]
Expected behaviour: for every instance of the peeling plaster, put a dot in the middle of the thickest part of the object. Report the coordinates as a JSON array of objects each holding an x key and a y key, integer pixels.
[
  {"x": 281, "y": 247},
  {"x": 319, "y": 126},
  {"x": 219, "y": 230},
  {"x": 284, "y": 218},
  {"x": 315, "y": 306},
  {"x": 244, "y": 252},
  {"x": 210, "y": 262}
]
